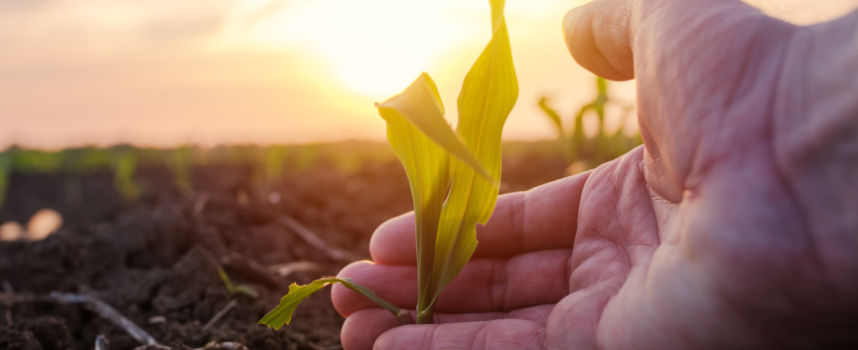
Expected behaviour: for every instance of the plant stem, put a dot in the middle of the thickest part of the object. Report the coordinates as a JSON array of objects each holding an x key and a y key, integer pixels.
[{"x": 426, "y": 316}]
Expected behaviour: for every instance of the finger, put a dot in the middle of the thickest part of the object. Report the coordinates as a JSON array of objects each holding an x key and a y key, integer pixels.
[
  {"x": 696, "y": 61},
  {"x": 544, "y": 217},
  {"x": 597, "y": 35},
  {"x": 495, "y": 335},
  {"x": 484, "y": 285},
  {"x": 362, "y": 328}
]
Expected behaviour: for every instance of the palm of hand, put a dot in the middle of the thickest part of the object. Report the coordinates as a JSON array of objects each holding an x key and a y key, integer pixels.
[{"x": 701, "y": 240}]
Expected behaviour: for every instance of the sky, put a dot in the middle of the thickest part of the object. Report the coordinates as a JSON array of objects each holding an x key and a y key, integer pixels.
[{"x": 165, "y": 72}]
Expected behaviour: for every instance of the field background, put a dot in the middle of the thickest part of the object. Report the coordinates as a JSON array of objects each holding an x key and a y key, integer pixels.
[{"x": 146, "y": 229}]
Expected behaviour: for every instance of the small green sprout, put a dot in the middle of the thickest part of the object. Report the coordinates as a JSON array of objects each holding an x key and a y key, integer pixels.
[
  {"x": 234, "y": 289},
  {"x": 124, "y": 167},
  {"x": 454, "y": 175},
  {"x": 180, "y": 162}
]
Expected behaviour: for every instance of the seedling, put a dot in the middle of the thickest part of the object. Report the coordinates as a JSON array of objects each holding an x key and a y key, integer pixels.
[
  {"x": 590, "y": 152},
  {"x": 180, "y": 162},
  {"x": 123, "y": 175},
  {"x": 450, "y": 194},
  {"x": 234, "y": 289},
  {"x": 274, "y": 156}
]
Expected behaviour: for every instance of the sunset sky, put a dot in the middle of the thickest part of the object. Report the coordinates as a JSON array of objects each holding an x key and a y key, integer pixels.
[{"x": 166, "y": 72}]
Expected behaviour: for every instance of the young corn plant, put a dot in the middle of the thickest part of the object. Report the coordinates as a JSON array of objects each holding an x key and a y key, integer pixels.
[
  {"x": 124, "y": 167},
  {"x": 234, "y": 289},
  {"x": 453, "y": 175},
  {"x": 180, "y": 162}
]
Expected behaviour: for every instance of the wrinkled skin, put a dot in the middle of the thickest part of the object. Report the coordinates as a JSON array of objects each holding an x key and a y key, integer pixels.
[{"x": 734, "y": 227}]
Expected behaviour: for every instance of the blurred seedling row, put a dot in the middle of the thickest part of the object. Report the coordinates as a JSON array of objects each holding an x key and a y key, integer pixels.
[{"x": 267, "y": 164}]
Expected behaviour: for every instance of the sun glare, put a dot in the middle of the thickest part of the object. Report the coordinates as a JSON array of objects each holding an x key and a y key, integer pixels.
[{"x": 375, "y": 47}]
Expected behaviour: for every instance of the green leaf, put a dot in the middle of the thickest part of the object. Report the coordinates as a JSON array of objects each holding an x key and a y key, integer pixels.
[
  {"x": 487, "y": 97},
  {"x": 246, "y": 290},
  {"x": 232, "y": 289},
  {"x": 282, "y": 314},
  {"x": 552, "y": 114},
  {"x": 225, "y": 278},
  {"x": 427, "y": 167},
  {"x": 421, "y": 105},
  {"x": 123, "y": 176},
  {"x": 445, "y": 230},
  {"x": 568, "y": 150}
]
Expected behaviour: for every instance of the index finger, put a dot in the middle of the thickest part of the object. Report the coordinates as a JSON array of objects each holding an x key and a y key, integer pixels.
[{"x": 542, "y": 218}]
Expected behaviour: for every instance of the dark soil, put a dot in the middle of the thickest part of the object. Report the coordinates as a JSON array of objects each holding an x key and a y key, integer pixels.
[{"x": 153, "y": 257}]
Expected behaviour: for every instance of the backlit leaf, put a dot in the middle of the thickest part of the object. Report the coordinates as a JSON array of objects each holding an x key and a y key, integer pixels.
[
  {"x": 421, "y": 105},
  {"x": 487, "y": 97}
]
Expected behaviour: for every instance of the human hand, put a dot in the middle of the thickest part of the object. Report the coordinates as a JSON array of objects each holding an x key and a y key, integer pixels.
[{"x": 736, "y": 226}]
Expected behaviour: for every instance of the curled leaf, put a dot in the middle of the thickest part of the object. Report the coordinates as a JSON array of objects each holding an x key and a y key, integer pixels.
[
  {"x": 427, "y": 166},
  {"x": 420, "y": 104}
]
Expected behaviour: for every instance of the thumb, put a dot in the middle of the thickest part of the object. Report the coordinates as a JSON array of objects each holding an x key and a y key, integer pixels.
[
  {"x": 708, "y": 67},
  {"x": 598, "y": 37}
]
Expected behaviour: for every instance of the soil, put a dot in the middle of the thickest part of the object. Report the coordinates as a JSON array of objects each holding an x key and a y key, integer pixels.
[{"x": 151, "y": 258}]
